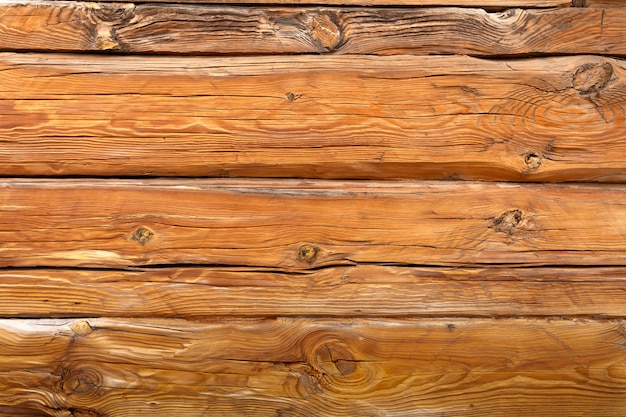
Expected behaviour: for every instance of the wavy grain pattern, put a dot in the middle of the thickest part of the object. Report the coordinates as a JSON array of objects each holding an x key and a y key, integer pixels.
[
  {"x": 552, "y": 119},
  {"x": 297, "y": 225},
  {"x": 219, "y": 30},
  {"x": 304, "y": 367},
  {"x": 491, "y": 4},
  {"x": 351, "y": 291}
]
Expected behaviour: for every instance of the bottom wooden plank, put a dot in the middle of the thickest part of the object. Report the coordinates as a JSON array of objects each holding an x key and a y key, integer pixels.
[{"x": 307, "y": 367}]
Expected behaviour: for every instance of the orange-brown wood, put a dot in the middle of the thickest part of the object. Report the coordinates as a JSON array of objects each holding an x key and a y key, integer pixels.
[
  {"x": 551, "y": 119},
  {"x": 362, "y": 291},
  {"x": 298, "y": 225},
  {"x": 601, "y": 4},
  {"x": 491, "y": 4},
  {"x": 289, "y": 297},
  {"x": 304, "y": 367},
  {"x": 202, "y": 29}
]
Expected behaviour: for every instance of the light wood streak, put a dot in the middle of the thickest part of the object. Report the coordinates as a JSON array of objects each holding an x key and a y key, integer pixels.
[{"x": 363, "y": 291}]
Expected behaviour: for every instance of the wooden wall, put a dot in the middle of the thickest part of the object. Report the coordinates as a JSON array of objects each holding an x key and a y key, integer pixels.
[{"x": 349, "y": 208}]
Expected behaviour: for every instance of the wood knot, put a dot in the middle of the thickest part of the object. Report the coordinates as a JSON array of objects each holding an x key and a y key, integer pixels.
[
  {"x": 592, "y": 78},
  {"x": 81, "y": 328},
  {"x": 142, "y": 235},
  {"x": 324, "y": 31},
  {"x": 334, "y": 359},
  {"x": 308, "y": 253},
  {"x": 106, "y": 20},
  {"x": 508, "y": 221},
  {"x": 114, "y": 13},
  {"x": 338, "y": 364},
  {"x": 532, "y": 160},
  {"x": 291, "y": 96},
  {"x": 80, "y": 382},
  {"x": 507, "y": 14}
]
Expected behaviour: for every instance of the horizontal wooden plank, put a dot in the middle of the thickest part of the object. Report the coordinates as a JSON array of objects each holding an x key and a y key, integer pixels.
[
  {"x": 603, "y": 4},
  {"x": 107, "y": 367},
  {"x": 489, "y": 4},
  {"x": 362, "y": 291},
  {"x": 552, "y": 119},
  {"x": 202, "y": 29},
  {"x": 294, "y": 224}
]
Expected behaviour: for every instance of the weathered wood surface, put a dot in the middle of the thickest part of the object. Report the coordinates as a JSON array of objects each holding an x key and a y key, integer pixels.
[
  {"x": 294, "y": 224},
  {"x": 304, "y": 367},
  {"x": 202, "y": 29},
  {"x": 551, "y": 119},
  {"x": 361, "y": 291},
  {"x": 603, "y": 4},
  {"x": 290, "y": 298},
  {"x": 489, "y": 4}
]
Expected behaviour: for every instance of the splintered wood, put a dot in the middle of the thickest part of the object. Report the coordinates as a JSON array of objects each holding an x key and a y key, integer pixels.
[{"x": 357, "y": 208}]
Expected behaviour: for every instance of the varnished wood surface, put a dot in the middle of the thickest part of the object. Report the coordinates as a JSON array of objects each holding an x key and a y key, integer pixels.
[
  {"x": 361, "y": 291},
  {"x": 214, "y": 30},
  {"x": 297, "y": 225},
  {"x": 549, "y": 119},
  {"x": 305, "y": 367}
]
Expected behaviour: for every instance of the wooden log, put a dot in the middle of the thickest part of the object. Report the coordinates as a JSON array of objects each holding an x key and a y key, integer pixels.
[
  {"x": 601, "y": 4},
  {"x": 296, "y": 225},
  {"x": 304, "y": 367},
  {"x": 488, "y": 4},
  {"x": 552, "y": 119},
  {"x": 362, "y": 291},
  {"x": 202, "y": 29}
]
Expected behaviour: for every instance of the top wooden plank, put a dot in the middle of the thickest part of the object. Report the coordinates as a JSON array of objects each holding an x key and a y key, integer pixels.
[
  {"x": 463, "y": 3},
  {"x": 243, "y": 30},
  {"x": 600, "y": 4}
]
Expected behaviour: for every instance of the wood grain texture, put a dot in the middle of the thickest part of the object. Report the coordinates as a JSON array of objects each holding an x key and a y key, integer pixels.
[
  {"x": 297, "y": 225},
  {"x": 551, "y": 119},
  {"x": 601, "y": 4},
  {"x": 202, "y": 29},
  {"x": 489, "y": 4},
  {"x": 361, "y": 291},
  {"x": 304, "y": 367},
  {"x": 312, "y": 298}
]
